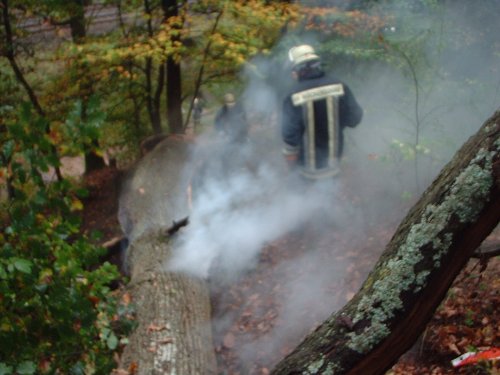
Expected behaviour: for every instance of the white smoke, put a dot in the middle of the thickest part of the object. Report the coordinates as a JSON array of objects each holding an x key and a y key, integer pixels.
[{"x": 234, "y": 216}]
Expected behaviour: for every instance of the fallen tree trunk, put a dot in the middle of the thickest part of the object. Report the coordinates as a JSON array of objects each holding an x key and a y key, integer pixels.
[
  {"x": 428, "y": 250},
  {"x": 173, "y": 314},
  {"x": 173, "y": 335}
]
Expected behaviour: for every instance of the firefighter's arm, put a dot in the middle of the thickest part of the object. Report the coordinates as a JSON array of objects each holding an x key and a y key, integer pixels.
[{"x": 291, "y": 132}]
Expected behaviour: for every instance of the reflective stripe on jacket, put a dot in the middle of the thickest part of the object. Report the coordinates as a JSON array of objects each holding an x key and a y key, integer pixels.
[{"x": 314, "y": 115}]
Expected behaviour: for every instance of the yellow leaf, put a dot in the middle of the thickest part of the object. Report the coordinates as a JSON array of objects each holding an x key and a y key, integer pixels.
[
  {"x": 5, "y": 327},
  {"x": 76, "y": 205}
]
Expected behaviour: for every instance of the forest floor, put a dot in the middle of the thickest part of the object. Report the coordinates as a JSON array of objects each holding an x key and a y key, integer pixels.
[{"x": 468, "y": 319}]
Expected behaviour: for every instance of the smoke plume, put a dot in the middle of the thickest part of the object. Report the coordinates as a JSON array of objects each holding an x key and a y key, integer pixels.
[{"x": 244, "y": 198}]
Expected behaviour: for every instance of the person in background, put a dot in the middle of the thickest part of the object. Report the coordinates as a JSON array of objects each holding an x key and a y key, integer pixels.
[
  {"x": 230, "y": 121},
  {"x": 315, "y": 112},
  {"x": 197, "y": 111}
]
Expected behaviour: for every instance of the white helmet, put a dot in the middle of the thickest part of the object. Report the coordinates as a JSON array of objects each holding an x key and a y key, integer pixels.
[
  {"x": 302, "y": 54},
  {"x": 229, "y": 99}
]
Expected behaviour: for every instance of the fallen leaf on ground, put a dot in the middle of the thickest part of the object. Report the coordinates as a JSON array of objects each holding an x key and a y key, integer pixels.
[{"x": 229, "y": 340}]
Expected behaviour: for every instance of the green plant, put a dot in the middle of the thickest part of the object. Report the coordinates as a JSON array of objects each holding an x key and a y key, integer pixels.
[
  {"x": 469, "y": 318},
  {"x": 57, "y": 312}
]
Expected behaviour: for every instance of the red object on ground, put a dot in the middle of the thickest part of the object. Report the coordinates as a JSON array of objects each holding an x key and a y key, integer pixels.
[{"x": 470, "y": 358}]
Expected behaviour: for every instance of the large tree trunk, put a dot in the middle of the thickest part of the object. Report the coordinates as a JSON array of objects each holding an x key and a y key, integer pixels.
[
  {"x": 428, "y": 250},
  {"x": 173, "y": 310}
]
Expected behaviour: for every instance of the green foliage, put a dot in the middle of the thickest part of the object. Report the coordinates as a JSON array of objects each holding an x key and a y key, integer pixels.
[
  {"x": 469, "y": 318},
  {"x": 406, "y": 151},
  {"x": 82, "y": 127},
  {"x": 57, "y": 312},
  {"x": 401, "y": 157}
]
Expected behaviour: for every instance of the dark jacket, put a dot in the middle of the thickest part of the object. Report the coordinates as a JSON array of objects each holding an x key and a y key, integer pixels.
[
  {"x": 328, "y": 147},
  {"x": 231, "y": 123}
]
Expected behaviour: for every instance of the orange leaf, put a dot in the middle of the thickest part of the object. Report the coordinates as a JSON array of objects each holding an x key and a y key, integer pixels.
[
  {"x": 132, "y": 369},
  {"x": 126, "y": 298},
  {"x": 154, "y": 328}
]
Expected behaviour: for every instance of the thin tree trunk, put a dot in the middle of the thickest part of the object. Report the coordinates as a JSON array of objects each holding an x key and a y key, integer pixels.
[
  {"x": 157, "y": 99},
  {"x": 174, "y": 100},
  {"x": 11, "y": 57},
  {"x": 428, "y": 250},
  {"x": 77, "y": 21},
  {"x": 93, "y": 161},
  {"x": 174, "y": 81},
  {"x": 202, "y": 67},
  {"x": 137, "y": 116},
  {"x": 153, "y": 101}
]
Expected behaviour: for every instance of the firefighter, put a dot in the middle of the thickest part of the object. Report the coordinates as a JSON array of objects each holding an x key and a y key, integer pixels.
[
  {"x": 231, "y": 122},
  {"x": 315, "y": 112},
  {"x": 197, "y": 111}
]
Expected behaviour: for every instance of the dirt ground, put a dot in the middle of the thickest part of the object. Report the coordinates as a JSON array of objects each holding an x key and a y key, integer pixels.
[
  {"x": 468, "y": 319},
  {"x": 101, "y": 206}
]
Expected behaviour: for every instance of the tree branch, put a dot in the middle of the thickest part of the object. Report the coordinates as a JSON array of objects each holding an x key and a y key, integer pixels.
[
  {"x": 202, "y": 66},
  {"x": 487, "y": 252},
  {"x": 10, "y": 54},
  {"x": 176, "y": 225}
]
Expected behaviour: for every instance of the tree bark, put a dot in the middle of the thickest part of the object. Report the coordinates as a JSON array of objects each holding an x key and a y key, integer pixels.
[
  {"x": 428, "y": 250},
  {"x": 174, "y": 81},
  {"x": 173, "y": 310},
  {"x": 9, "y": 52},
  {"x": 77, "y": 24},
  {"x": 153, "y": 100},
  {"x": 173, "y": 313},
  {"x": 199, "y": 78},
  {"x": 174, "y": 100},
  {"x": 77, "y": 21},
  {"x": 156, "y": 99}
]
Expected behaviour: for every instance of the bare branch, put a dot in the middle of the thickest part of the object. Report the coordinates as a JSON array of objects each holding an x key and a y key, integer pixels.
[{"x": 176, "y": 225}]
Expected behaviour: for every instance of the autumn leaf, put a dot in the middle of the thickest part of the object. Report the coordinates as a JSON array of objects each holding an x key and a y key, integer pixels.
[
  {"x": 126, "y": 298},
  {"x": 156, "y": 328},
  {"x": 76, "y": 204},
  {"x": 229, "y": 340}
]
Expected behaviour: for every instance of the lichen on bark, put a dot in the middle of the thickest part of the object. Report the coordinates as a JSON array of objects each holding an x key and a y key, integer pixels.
[
  {"x": 321, "y": 366},
  {"x": 360, "y": 338},
  {"x": 465, "y": 200}
]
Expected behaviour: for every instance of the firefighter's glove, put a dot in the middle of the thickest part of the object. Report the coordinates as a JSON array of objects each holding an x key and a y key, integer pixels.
[
  {"x": 291, "y": 161},
  {"x": 291, "y": 155}
]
